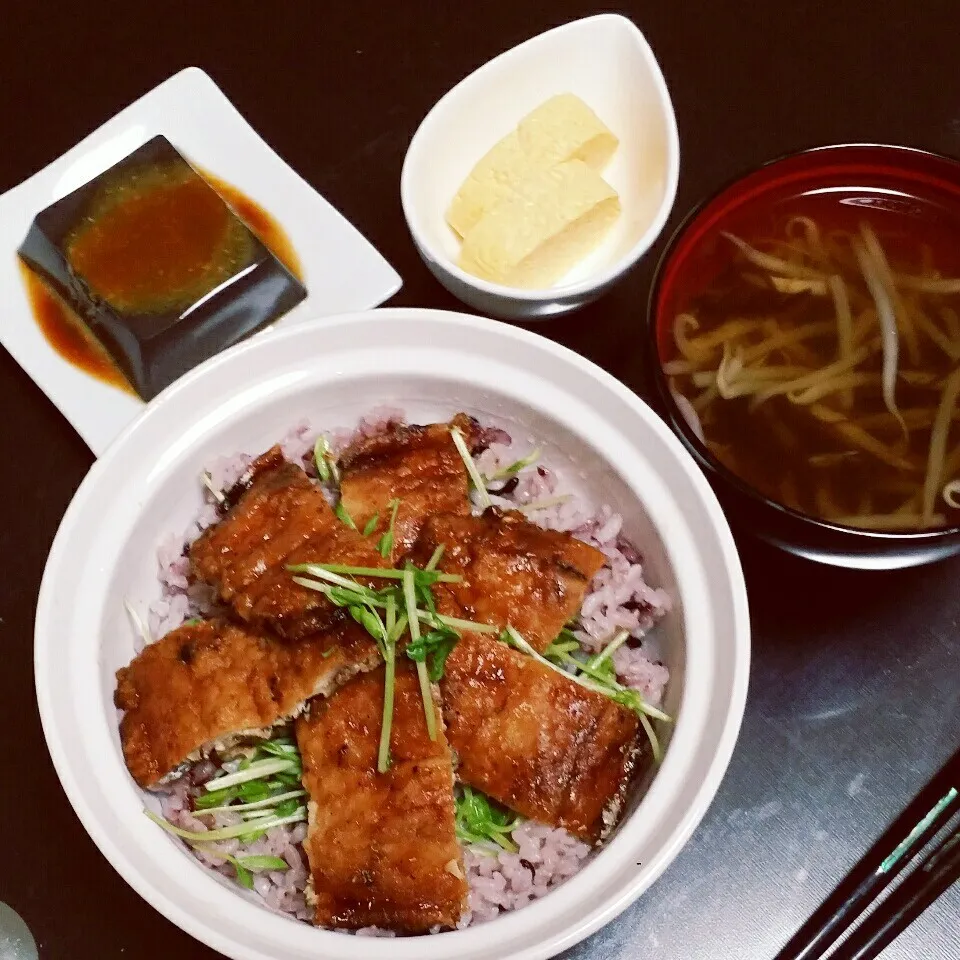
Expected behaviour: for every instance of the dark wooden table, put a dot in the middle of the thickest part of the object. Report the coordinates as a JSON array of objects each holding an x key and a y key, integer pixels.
[{"x": 855, "y": 692}]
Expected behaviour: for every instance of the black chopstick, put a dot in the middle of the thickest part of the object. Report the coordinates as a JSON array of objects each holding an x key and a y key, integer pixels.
[
  {"x": 938, "y": 871},
  {"x": 920, "y": 821}
]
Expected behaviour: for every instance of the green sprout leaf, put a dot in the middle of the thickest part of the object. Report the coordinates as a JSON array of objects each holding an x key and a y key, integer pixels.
[
  {"x": 258, "y": 864},
  {"x": 471, "y": 467},
  {"x": 216, "y": 799},
  {"x": 385, "y": 545},
  {"x": 504, "y": 472},
  {"x": 341, "y": 511},
  {"x": 433, "y": 648},
  {"x": 280, "y": 748},
  {"x": 325, "y": 461},
  {"x": 253, "y": 791},
  {"x": 371, "y": 524},
  {"x": 480, "y": 820}
]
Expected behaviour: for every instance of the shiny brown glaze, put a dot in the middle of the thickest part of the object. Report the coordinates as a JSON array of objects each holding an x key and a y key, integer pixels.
[
  {"x": 418, "y": 465},
  {"x": 206, "y": 681},
  {"x": 280, "y": 518},
  {"x": 536, "y": 741},
  {"x": 514, "y": 572},
  {"x": 382, "y": 846},
  {"x": 156, "y": 240}
]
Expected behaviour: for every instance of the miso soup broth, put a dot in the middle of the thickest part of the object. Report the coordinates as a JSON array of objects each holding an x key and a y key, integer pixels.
[{"x": 820, "y": 361}]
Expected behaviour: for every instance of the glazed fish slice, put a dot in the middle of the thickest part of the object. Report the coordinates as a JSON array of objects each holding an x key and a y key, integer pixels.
[
  {"x": 419, "y": 466},
  {"x": 212, "y": 681},
  {"x": 382, "y": 846},
  {"x": 513, "y": 571},
  {"x": 280, "y": 517},
  {"x": 537, "y": 742}
]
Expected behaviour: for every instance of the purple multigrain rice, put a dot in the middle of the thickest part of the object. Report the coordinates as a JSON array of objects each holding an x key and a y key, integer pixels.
[{"x": 619, "y": 598}]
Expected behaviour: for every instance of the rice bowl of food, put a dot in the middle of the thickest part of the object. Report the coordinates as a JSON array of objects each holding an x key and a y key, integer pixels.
[{"x": 403, "y": 625}]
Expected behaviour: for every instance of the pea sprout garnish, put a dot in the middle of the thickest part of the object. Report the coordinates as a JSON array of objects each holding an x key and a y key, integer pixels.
[
  {"x": 433, "y": 648},
  {"x": 255, "y": 771},
  {"x": 516, "y": 467},
  {"x": 390, "y": 659},
  {"x": 138, "y": 623},
  {"x": 428, "y": 575},
  {"x": 472, "y": 470},
  {"x": 245, "y": 867},
  {"x": 265, "y": 790},
  {"x": 479, "y": 820},
  {"x": 341, "y": 513},
  {"x": 413, "y": 624},
  {"x": 325, "y": 461},
  {"x": 600, "y": 678},
  {"x": 237, "y": 831},
  {"x": 617, "y": 641},
  {"x": 385, "y": 544},
  {"x": 386, "y": 613},
  {"x": 207, "y": 480}
]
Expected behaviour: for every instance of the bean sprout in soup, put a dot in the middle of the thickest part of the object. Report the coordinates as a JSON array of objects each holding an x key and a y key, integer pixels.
[{"x": 821, "y": 365}]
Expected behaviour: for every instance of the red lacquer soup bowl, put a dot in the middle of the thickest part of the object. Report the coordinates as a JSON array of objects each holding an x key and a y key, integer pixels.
[{"x": 908, "y": 196}]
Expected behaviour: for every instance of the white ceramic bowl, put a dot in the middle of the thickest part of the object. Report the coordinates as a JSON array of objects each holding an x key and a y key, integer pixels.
[
  {"x": 606, "y": 61},
  {"x": 432, "y": 363}
]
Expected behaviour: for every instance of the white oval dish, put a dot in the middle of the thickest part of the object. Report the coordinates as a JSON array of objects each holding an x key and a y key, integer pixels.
[
  {"x": 431, "y": 363},
  {"x": 604, "y": 60}
]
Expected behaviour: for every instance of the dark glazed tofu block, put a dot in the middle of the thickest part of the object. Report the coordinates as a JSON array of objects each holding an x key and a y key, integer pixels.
[{"x": 158, "y": 266}]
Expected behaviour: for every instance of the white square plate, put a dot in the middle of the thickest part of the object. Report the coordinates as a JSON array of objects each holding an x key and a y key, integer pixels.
[{"x": 341, "y": 270}]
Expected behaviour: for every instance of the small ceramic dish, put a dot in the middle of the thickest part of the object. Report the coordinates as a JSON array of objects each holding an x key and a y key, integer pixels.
[
  {"x": 917, "y": 193},
  {"x": 604, "y": 60},
  {"x": 430, "y": 364},
  {"x": 340, "y": 269}
]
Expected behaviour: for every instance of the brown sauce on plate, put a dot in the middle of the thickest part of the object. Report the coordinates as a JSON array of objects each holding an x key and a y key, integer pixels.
[
  {"x": 68, "y": 334},
  {"x": 112, "y": 260},
  {"x": 260, "y": 221}
]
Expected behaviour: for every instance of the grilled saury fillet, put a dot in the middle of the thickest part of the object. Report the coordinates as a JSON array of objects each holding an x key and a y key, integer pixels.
[
  {"x": 514, "y": 572},
  {"x": 536, "y": 741},
  {"x": 212, "y": 681},
  {"x": 382, "y": 846},
  {"x": 417, "y": 465},
  {"x": 280, "y": 518}
]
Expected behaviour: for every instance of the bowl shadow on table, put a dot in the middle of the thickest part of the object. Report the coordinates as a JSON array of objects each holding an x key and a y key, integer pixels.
[{"x": 833, "y": 630}]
